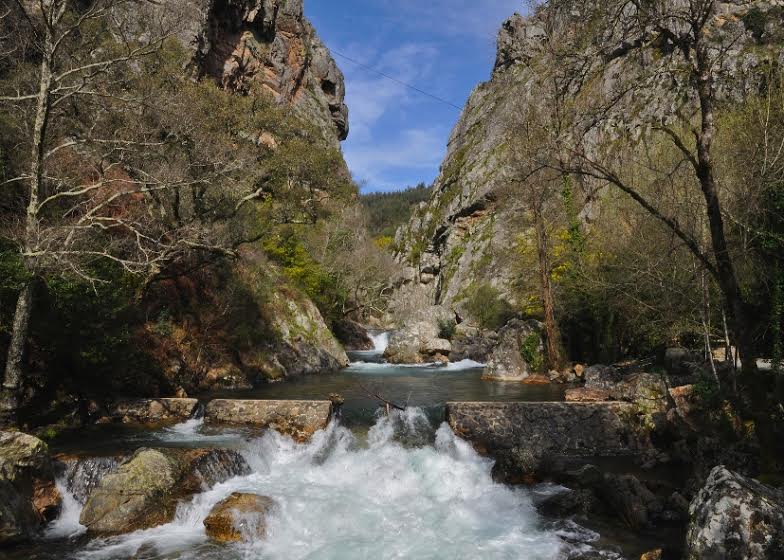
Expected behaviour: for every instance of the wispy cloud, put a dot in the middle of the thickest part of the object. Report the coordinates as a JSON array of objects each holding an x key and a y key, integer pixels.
[{"x": 415, "y": 151}]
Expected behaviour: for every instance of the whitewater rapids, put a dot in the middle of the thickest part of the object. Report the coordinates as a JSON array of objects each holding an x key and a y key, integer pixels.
[{"x": 409, "y": 491}]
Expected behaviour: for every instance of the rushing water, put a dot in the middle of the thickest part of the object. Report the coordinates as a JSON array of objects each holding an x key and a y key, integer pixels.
[
  {"x": 408, "y": 489},
  {"x": 370, "y": 486}
]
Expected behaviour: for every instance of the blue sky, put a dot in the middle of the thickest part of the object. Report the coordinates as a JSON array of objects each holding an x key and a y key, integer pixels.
[{"x": 446, "y": 47}]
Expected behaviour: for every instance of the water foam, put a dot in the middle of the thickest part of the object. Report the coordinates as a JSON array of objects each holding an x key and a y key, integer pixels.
[
  {"x": 410, "y": 491},
  {"x": 380, "y": 341}
]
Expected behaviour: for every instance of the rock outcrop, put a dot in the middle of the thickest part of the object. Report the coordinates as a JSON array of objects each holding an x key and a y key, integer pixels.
[
  {"x": 463, "y": 237},
  {"x": 420, "y": 339},
  {"x": 736, "y": 518},
  {"x": 254, "y": 46},
  {"x": 240, "y": 517},
  {"x": 516, "y": 354},
  {"x": 297, "y": 419},
  {"x": 145, "y": 489},
  {"x": 28, "y": 495}
]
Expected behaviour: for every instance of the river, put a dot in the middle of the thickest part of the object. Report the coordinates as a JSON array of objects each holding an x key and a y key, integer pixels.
[{"x": 372, "y": 486}]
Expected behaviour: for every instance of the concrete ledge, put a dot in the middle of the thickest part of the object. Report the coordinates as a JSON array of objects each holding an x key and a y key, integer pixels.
[
  {"x": 150, "y": 411},
  {"x": 298, "y": 419},
  {"x": 553, "y": 428}
]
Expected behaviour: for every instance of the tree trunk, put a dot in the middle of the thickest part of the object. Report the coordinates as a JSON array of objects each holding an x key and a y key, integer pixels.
[
  {"x": 737, "y": 309},
  {"x": 552, "y": 332},
  {"x": 9, "y": 401},
  {"x": 16, "y": 351}
]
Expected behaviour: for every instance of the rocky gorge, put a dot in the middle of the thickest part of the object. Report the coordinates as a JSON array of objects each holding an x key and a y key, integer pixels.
[{"x": 536, "y": 366}]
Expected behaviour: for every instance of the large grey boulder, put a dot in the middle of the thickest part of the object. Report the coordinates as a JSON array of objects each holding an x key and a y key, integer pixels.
[
  {"x": 519, "y": 344},
  {"x": 736, "y": 518},
  {"x": 419, "y": 340},
  {"x": 145, "y": 490},
  {"x": 28, "y": 495},
  {"x": 550, "y": 429}
]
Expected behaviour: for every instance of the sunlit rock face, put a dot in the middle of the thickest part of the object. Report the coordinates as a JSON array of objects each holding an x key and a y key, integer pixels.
[
  {"x": 251, "y": 46},
  {"x": 475, "y": 228}
]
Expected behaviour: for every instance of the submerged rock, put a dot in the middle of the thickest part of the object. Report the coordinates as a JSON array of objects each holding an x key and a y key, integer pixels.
[
  {"x": 736, "y": 518},
  {"x": 145, "y": 490},
  {"x": 585, "y": 394},
  {"x": 298, "y": 419},
  {"x": 28, "y": 495},
  {"x": 240, "y": 517}
]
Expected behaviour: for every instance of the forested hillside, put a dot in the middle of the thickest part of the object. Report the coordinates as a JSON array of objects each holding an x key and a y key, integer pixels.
[
  {"x": 170, "y": 223},
  {"x": 387, "y": 211}
]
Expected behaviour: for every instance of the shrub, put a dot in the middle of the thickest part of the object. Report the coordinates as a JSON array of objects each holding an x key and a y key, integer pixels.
[
  {"x": 447, "y": 328},
  {"x": 490, "y": 309},
  {"x": 532, "y": 352}
]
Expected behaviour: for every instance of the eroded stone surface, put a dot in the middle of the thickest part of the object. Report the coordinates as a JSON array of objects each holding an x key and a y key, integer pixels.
[
  {"x": 151, "y": 411},
  {"x": 145, "y": 490},
  {"x": 736, "y": 518},
  {"x": 572, "y": 429},
  {"x": 298, "y": 419},
  {"x": 28, "y": 495}
]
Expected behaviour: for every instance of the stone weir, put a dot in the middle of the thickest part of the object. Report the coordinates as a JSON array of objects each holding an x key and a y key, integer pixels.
[
  {"x": 555, "y": 429},
  {"x": 298, "y": 419}
]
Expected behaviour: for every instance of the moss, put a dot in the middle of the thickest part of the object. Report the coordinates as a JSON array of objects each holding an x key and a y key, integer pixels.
[{"x": 531, "y": 352}]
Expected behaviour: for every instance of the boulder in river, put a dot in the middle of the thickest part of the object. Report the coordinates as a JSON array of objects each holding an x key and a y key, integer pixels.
[
  {"x": 514, "y": 357},
  {"x": 146, "y": 488},
  {"x": 28, "y": 495},
  {"x": 420, "y": 340},
  {"x": 298, "y": 419},
  {"x": 240, "y": 517},
  {"x": 736, "y": 518}
]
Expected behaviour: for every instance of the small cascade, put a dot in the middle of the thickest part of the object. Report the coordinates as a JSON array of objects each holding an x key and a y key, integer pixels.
[
  {"x": 81, "y": 476},
  {"x": 380, "y": 341},
  {"x": 67, "y": 525}
]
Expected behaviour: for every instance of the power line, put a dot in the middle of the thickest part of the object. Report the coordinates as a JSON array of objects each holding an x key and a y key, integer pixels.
[{"x": 404, "y": 84}]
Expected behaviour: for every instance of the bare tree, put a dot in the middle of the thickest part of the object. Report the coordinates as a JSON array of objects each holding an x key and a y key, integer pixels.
[
  {"x": 690, "y": 37},
  {"x": 113, "y": 170}
]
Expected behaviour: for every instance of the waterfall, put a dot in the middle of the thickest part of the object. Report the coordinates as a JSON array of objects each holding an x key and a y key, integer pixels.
[{"x": 380, "y": 341}]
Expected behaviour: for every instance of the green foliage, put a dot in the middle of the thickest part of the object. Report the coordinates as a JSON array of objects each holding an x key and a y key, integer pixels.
[
  {"x": 288, "y": 251},
  {"x": 388, "y": 211},
  {"x": 447, "y": 328},
  {"x": 486, "y": 304},
  {"x": 531, "y": 351}
]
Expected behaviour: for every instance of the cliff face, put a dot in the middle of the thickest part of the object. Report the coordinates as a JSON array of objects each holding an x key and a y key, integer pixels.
[
  {"x": 471, "y": 231},
  {"x": 268, "y": 45}
]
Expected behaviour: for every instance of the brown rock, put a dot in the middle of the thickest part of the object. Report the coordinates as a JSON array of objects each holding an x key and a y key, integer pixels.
[
  {"x": 239, "y": 517},
  {"x": 579, "y": 369},
  {"x": 652, "y": 555},
  {"x": 151, "y": 411},
  {"x": 536, "y": 379},
  {"x": 46, "y": 499},
  {"x": 584, "y": 394}
]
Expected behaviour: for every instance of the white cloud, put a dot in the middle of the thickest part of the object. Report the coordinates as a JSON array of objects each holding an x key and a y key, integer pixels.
[
  {"x": 370, "y": 96},
  {"x": 415, "y": 149}
]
